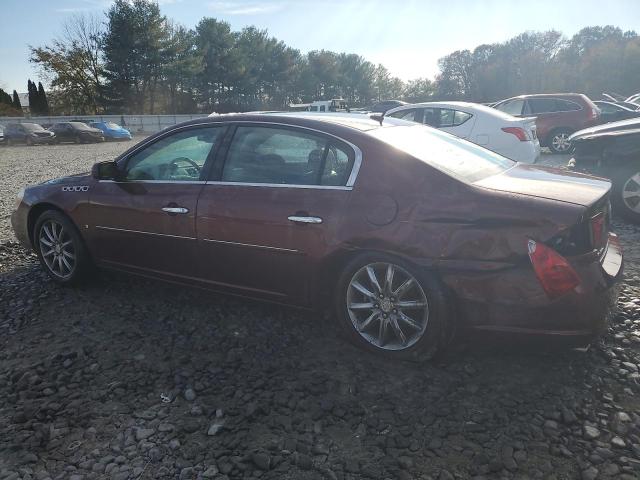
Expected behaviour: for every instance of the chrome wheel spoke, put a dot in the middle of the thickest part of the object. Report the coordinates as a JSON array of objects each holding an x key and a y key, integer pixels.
[
  {"x": 48, "y": 233},
  {"x": 46, "y": 242},
  {"x": 402, "y": 289},
  {"x": 368, "y": 321},
  {"x": 408, "y": 320},
  {"x": 373, "y": 279},
  {"x": 57, "y": 250},
  {"x": 388, "y": 279},
  {"x": 69, "y": 255},
  {"x": 411, "y": 304},
  {"x": 397, "y": 330},
  {"x": 363, "y": 290},
  {"x": 382, "y": 332},
  {"x": 361, "y": 306},
  {"x": 49, "y": 253}
]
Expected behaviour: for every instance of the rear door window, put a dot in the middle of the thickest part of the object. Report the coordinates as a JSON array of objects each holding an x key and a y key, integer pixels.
[
  {"x": 285, "y": 157},
  {"x": 409, "y": 114},
  {"x": 446, "y": 118}
]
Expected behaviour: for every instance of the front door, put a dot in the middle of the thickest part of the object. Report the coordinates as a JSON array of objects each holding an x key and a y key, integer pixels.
[
  {"x": 145, "y": 219},
  {"x": 272, "y": 211}
]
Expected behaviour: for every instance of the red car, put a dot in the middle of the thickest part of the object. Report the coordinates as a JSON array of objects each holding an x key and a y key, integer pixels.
[
  {"x": 558, "y": 115},
  {"x": 402, "y": 230}
]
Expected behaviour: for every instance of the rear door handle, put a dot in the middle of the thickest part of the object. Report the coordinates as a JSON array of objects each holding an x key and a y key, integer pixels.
[
  {"x": 175, "y": 209},
  {"x": 299, "y": 219}
]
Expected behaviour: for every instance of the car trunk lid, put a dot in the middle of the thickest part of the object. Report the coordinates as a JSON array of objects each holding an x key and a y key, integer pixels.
[{"x": 550, "y": 183}]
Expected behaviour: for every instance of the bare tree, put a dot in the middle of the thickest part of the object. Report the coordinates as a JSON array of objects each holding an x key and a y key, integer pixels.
[{"x": 73, "y": 63}]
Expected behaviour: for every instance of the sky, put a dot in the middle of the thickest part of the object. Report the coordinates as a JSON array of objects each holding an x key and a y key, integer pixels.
[{"x": 407, "y": 36}]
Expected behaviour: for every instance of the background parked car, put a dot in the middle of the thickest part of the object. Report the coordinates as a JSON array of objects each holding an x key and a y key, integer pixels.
[
  {"x": 2, "y": 139},
  {"x": 613, "y": 150},
  {"x": 515, "y": 138},
  {"x": 29, "y": 133},
  {"x": 558, "y": 115},
  {"x": 77, "y": 132},
  {"x": 112, "y": 131},
  {"x": 386, "y": 105},
  {"x": 612, "y": 112}
]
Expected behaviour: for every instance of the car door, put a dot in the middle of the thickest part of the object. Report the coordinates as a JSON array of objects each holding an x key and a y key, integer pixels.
[
  {"x": 271, "y": 210},
  {"x": 145, "y": 218}
]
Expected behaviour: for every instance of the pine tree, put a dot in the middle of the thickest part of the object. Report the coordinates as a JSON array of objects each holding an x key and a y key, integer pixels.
[
  {"x": 16, "y": 101},
  {"x": 42, "y": 99},
  {"x": 32, "y": 92},
  {"x": 5, "y": 98}
]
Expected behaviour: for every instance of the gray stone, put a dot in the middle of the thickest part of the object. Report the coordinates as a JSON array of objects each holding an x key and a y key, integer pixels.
[
  {"x": 189, "y": 395},
  {"x": 261, "y": 460},
  {"x": 144, "y": 433},
  {"x": 590, "y": 433}
]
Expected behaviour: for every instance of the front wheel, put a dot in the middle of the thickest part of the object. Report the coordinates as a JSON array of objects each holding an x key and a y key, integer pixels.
[
  {"x": 60, "y": 248},
  {"x": 390, "y": 307},
  {"x": 559, "y": 141},
  {"x": 626, "y": 192}
]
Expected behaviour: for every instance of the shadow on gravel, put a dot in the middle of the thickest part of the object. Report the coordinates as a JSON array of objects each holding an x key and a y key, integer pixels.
[{"x": 130, "y": 378}]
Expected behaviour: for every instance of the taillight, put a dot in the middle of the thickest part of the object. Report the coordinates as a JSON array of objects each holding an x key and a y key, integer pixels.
[
  {"x": 598, "y": 230},
  {"x": 518, "y": 132},
  {"x": 554, "y": 273}
]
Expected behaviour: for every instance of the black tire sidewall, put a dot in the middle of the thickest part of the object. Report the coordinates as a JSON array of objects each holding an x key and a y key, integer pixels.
[
  {"x": 618, "y": 178},
  {"x": 433, "y": 339},
  {"x": 550, "y": 141},
  {"x": 83, "y": 262}
]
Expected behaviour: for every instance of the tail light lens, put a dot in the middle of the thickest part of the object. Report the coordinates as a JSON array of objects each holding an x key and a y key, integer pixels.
[
  {"x": 554, "y": 273},
  {"x": 598, "y": 230},
  {"x": 518, "y": 132}
]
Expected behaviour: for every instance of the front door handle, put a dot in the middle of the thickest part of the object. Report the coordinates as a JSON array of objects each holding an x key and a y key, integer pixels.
[
  {"x": 300, "y": 219},
  {"x": 175, "y": 209}
]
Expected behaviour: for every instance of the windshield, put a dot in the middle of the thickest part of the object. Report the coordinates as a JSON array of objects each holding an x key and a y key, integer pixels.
[
  {"x": 112, "y": 125},
  {"x": 80, "y": 125},
  {"x": 458, "y": 158},
  {"x": 32, "y": 127}
]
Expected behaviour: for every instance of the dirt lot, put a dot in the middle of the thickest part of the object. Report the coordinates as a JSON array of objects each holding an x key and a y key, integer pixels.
[{"x": 126, "y": 378}]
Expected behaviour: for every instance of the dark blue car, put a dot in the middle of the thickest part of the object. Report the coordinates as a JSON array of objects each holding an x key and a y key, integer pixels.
[{"x": 112, "y": 131}]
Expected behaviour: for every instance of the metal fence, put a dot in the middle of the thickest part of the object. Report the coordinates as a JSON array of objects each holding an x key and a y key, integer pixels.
[{"x": 133, "y": 123}]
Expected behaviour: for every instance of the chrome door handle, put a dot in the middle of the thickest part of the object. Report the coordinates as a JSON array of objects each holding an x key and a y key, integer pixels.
[
  {"x": 175, "y": 209},
  {"x": 297, "y": 219}
]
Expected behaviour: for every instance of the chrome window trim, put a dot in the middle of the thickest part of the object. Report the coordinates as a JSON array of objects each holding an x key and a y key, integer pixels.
[
  {"x": 251, "y": 245},
  {"x": 194, "y": 182},
  {"x": 278, "y": 185},
  {"x": 113, "y": 229}
]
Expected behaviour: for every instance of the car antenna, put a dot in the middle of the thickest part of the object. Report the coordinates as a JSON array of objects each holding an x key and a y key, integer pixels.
[{"x": 378, "y": 117}]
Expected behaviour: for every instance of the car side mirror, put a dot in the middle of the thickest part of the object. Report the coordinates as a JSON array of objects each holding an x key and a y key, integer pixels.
[{"x": 105, "y": 171}]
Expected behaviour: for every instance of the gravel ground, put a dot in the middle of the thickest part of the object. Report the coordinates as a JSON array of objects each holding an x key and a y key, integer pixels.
[{"x": 126, "y": 378}]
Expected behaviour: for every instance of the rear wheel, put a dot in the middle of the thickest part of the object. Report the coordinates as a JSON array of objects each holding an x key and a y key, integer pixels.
[
  {"x": 60, "y": 248},
  {"x": 29, "y": 141},
  {"x": 389, "y": 307},
  {"x": 559, "y": 141},
  {"x": 626, "y": 192},
  {"x": 78, "y": 139}
]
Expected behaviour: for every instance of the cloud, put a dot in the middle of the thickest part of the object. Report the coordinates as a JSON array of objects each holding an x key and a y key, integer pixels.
[{"x": 244, "y": 8}]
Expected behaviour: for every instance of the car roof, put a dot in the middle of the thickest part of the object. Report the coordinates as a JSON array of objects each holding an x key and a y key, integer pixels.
[
  {"x": 355, "y": 121},
  {"x": 468, "y": 107}
]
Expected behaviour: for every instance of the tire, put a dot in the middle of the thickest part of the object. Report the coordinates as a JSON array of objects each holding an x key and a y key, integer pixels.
[
  {"x": 29, "y": 142},
  {"x": 624, "y": 199},
  {"x": 78, "y": 140},
  {"x": 9, "y": 142},
  {"x": 60, "y": 248},
  {"x": 558, "y": 141},
  {"x": 423, "y": 328}
]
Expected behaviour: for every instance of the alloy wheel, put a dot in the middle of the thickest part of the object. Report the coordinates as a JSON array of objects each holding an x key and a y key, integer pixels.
[
  {"x": 57, "y": 249},
  {"x": 387, "y": 306},
  {"x": 631, "y": 193},
  {"x": 561, "y": 142}
]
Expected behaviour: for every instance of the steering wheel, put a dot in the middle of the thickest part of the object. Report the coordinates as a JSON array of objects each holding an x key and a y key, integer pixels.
[{"x": 173, "y": 166}]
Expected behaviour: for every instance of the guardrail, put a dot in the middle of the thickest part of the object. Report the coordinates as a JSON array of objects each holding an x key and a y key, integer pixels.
[{"x": 134, "y": 123}]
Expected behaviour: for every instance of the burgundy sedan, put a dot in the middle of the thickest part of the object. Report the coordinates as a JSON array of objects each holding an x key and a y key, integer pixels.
[{"x": 404, "y": 231}]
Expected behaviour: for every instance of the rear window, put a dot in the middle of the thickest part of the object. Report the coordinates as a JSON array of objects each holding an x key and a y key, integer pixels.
[{"x": 458, "y": 158}]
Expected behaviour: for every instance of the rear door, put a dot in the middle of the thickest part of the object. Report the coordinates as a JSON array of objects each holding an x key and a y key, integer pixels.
[
  {"x": 271, "y": 210},
  {"x": 145, "y": 220}
]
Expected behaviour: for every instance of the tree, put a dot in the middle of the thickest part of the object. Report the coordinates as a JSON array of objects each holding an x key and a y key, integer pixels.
[
  {"x": 32, "y": 93},
  {"x": 419, "y": 90},
  {"x": 137, "y": 35},
  {"x": 43, "y": 103},
  {"x": 73, "y": 63},
  {"x": 16, "y": 101}
]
